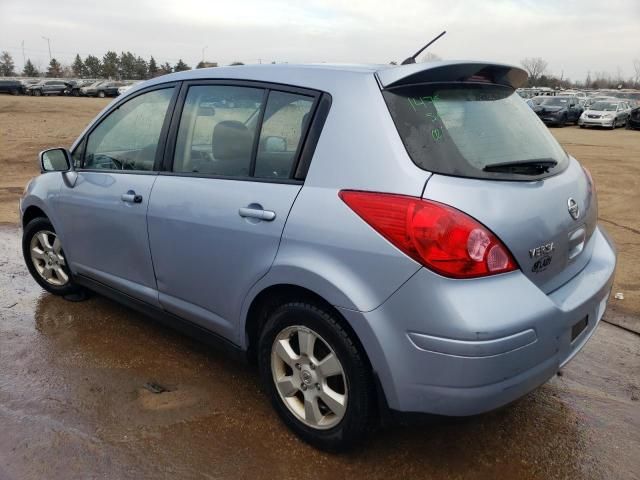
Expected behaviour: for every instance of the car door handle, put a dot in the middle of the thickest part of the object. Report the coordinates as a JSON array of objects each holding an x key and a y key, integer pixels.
[
  {"x": 258, "y": 213},
  {"x": 131, "y": 197}
]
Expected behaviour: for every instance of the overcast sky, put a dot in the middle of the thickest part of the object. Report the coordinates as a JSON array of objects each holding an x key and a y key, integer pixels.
[{"x": 574, "y": 36}]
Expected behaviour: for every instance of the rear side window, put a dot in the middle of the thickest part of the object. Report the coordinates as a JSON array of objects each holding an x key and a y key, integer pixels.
[
  {"x": 241, "y": 131},
  {"x": 285, "y": 119},
  {"x": 217, "y": 130},
  {"x": 459, "y": 129}
]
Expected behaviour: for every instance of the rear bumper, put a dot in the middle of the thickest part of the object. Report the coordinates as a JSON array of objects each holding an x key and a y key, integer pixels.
[{"x": 453, "y": 347}]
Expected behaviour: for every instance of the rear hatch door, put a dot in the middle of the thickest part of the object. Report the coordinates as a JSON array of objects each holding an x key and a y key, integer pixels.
[
  {"x": 531, "y": 218},
  {"x": 493, "y": 159}
]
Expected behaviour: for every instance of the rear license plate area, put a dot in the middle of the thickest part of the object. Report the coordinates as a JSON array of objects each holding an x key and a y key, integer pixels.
[{"x": 578, "y": 328}]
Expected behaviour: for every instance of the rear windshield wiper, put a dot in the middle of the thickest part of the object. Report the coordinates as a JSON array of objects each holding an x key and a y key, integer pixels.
[{"x": 528, "y": 167}]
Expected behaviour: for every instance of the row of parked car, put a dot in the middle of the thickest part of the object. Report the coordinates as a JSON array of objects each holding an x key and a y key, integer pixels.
[
  {"x": 76, "y": 88},
  {"x": 586, "y": 111}
]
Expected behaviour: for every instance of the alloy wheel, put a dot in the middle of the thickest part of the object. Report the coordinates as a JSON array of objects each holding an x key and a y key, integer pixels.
[
  {"x": 48, "y": 258},
  {"x": 309, "y": 377}
]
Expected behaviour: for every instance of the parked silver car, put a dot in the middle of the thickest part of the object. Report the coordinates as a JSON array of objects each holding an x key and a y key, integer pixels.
[
  {"x": 376, "y": 238},
  {"x": 610, "y": 114}
]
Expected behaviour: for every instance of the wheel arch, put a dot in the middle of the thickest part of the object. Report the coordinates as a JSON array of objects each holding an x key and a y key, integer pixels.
[
  {"x": 273, "y": 296},
  {"x": 32, "y": 212}
]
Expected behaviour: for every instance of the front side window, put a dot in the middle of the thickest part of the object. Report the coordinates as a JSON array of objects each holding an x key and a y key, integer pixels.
[
  {"x": 465, "y": 129},
  {"x": 285, "y": 119},
  {"x": 127, "y": 139},
  {"x": 217, "y": 130}
]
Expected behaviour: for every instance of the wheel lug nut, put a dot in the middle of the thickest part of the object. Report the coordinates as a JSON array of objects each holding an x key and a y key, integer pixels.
[
  {"x": 317, "y": 386},
  {"x": 298, "y": 366},
  {"x": 303, "y": 387},
  {"x": 313, "y": 366}
]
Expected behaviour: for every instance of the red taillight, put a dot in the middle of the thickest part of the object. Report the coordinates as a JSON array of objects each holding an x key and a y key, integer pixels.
[{"x": 440, "y": 237}]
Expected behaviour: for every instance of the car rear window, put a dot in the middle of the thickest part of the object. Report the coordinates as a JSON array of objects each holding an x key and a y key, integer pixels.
[{"x": 459, "y": 129}]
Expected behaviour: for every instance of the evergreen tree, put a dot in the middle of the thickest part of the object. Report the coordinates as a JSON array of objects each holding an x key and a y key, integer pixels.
[
  {"x": 110, "y": 65},
  {"x": 92, "y": 66},
  {"x": 127, "y": 64},
  {"x": 153, "y": 68},
  {"x": 78, "y": 67},
  {"x": 181, "y": 66},
  {"x": 6, "y": 65},
  {"x": 55, "y": 69},
  {"x": 233, "y": 64},
  {"x": 164, "y": 69},
  {"x": 30, "y": 70},
  {"x": 141, "y": 69}
]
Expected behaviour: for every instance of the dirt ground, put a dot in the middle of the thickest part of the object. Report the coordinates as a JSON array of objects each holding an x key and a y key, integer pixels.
[{"x": 73, "y": 402}]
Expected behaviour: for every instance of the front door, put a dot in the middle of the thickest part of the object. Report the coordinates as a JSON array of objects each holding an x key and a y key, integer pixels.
[
  {"x": 215, "y": 220},
  {"x": 104, "y": 212}
]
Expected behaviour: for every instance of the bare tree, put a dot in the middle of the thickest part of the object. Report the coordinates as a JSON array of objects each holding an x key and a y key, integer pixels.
[
  {"x": 430, "y": 57},
  {"x": 535, "y": 67},
  {"x": 636, "y": 68}
]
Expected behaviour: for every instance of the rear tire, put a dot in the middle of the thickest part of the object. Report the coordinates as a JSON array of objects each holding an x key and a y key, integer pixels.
[
  {"x": 101, "y": 94},
  {"x": 37, "y": 93},
  {"x": 45, "y": 258},
  {"x": 328, "y": 426}
]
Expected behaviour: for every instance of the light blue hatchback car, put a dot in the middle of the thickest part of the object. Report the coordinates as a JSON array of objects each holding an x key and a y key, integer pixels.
[{"x": 377, "y": 238}]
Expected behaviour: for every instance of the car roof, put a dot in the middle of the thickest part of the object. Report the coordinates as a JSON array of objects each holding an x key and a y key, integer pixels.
[{"x": 328, "y": 76}]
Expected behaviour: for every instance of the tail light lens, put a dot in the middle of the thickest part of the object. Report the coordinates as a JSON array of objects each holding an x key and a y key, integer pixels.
[{"x": 438, "y": 236}]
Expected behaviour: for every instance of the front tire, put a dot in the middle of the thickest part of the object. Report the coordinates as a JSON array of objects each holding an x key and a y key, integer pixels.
[
  {"x": 101, "y": 94},
  {"x": 45, "y": 259},
  {"x": 316, "y": 376}
]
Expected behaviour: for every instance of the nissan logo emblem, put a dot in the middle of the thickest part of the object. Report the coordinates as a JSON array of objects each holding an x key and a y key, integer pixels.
[{"x": 574, "y": 210}]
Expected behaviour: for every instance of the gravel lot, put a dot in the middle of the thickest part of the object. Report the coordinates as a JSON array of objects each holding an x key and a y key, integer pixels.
[{"x": 72, "y": 375}]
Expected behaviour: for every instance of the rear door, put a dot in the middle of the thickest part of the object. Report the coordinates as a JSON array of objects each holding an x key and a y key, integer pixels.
[
  {"x": 217, "y": 214},
  {"x": 103, "y": 213},
  {"x": 495, "y": 161}
]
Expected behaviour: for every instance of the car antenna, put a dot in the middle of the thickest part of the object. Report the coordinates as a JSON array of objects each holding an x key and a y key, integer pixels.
[{"x": 412, "y": 59}]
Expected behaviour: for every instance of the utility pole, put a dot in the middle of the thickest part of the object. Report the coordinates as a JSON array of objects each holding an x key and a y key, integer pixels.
[
  {"x": 24, "y": 60},
  {"x": 49, "y": 44}
]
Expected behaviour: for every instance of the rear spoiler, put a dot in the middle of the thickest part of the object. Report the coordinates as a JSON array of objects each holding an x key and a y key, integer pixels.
[{"x": 431, "y": 72}]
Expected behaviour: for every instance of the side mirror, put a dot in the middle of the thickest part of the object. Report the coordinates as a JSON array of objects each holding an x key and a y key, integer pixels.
[
  {"x": 55, "y": 160},
  {"x": 275, "y": 144}
]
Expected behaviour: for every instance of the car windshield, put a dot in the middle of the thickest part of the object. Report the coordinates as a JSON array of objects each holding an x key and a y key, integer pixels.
[
  {"x": 604, "y": 106},
  {"x": 561, "y": 101},
  {"x": 459, "y": 129}
]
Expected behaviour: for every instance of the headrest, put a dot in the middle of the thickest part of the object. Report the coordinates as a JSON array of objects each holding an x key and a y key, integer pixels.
[{"x": 230, "y": 140}]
